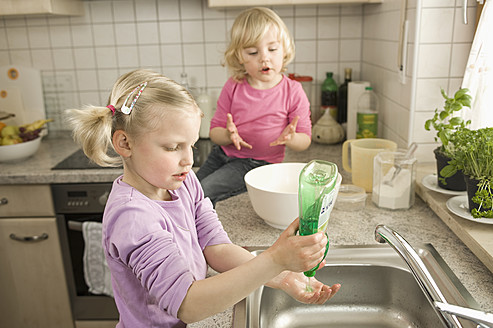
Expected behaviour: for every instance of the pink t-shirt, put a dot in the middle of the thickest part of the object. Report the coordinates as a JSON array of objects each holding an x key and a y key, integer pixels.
[{"x": 261, "y": 116}]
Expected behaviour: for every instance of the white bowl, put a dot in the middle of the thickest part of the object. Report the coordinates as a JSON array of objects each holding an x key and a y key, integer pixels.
[
  {"x": 20, "y": 151},
  {"x": 273, "y": 192}
]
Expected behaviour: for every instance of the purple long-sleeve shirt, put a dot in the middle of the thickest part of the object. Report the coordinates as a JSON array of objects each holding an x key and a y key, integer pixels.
[{"x": 154, "y": 250}]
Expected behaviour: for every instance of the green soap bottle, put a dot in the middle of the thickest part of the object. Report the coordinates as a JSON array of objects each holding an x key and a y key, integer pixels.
[{"x": 316, "y": 197}]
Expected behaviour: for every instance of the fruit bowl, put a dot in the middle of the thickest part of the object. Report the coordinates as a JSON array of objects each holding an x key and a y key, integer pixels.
[
  {"x": 273, "y": 192},
  {"x": 20, "y": 151}
]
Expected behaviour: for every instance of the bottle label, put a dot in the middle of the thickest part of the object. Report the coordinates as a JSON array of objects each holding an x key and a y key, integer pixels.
[
  {"x": 327, "y": 206},
  {"x": 367, "y": 125}
]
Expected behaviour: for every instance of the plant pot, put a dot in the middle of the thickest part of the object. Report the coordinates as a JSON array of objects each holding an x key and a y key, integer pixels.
[
  {"x": 455, "y": 182},
  {"x": 471, "y": 187}
]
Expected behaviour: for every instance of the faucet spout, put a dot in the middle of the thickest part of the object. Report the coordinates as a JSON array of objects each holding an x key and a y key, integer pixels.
[{"x": 383, "y": 234}]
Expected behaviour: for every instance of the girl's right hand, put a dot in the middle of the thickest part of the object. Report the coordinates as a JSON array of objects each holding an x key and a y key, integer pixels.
[
  {"x": 234, "y": 135},
  {"x": 297, "y": 253}
]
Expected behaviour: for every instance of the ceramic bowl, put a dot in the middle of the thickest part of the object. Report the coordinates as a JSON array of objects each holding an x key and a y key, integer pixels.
[
  {"x": 273, "y": 192},
  {"x": 20, "y": 151}
]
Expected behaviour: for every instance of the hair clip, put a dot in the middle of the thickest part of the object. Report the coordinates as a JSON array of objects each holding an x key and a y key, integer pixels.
[{"x": 125, "y": 109}]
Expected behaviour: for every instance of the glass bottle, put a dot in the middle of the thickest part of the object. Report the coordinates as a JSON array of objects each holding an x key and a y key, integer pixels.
[
  {"x": 329, "y": 95},
  {"x": 367, "y": 115},
  {"x": 342, "y": 97},
  {"x": 316, "y": 197}
]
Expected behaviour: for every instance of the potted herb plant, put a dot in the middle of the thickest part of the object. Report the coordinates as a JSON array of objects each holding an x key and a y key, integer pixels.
[
  {"x": 446, "y": 124},
  {"x": 473, "y": 155}
]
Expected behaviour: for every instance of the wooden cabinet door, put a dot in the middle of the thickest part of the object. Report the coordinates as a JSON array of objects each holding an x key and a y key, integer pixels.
[{"x": 33, "y": 289}]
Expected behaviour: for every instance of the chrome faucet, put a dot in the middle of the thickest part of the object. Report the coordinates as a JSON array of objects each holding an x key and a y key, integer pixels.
[{"x": 446, "y": 312}]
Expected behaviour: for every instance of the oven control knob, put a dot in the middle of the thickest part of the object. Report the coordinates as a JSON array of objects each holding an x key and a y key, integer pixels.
[{"x": 104, "y": 198}]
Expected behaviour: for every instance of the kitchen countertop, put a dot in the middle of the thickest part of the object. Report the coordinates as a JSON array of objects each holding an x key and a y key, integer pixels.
[{"x": 417, "y": 225}]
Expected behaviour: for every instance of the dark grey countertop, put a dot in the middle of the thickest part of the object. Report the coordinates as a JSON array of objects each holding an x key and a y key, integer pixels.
[{"x": 417, "y": 225}]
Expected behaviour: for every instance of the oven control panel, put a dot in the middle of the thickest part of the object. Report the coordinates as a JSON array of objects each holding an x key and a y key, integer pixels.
[{"x": 80, "y": 198}]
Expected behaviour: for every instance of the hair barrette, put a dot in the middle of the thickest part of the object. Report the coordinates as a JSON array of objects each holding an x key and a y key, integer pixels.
[{"x": 125, "y": 109}]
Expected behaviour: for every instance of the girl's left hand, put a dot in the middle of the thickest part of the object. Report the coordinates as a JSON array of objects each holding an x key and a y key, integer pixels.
[
  {"x": 294, "y": 284},
  {"x": 287, "y": 134}
]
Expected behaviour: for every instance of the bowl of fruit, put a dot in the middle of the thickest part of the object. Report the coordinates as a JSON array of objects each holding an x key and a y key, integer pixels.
[{"x": 20, "y": 142}]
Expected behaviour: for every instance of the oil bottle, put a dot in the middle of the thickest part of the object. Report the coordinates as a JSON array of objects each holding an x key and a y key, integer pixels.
[{"x": 316, "y": 198}]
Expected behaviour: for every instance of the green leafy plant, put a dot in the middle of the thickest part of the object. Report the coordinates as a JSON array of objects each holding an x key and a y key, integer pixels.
[
  {"x": 473, "y": 155},
  {"x": 445, "y": 123}
]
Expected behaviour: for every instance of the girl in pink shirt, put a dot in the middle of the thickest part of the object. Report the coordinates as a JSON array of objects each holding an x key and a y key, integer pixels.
[
  {"x": 159, "y": 232},
  {"x": 259, "y": 111}
]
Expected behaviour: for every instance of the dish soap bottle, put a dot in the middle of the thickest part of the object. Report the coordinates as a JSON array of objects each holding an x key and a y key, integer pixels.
[
  {"x": 316, "y": 198},
  {"x": 329, "y": 95},
  {"x": 367, "y": 115}
]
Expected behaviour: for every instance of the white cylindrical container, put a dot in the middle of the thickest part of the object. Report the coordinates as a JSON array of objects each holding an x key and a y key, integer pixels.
[{"x": 204, "y": 101}]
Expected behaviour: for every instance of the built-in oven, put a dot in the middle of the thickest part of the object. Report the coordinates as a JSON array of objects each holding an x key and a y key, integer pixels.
[{"x": 75, "y": 204}]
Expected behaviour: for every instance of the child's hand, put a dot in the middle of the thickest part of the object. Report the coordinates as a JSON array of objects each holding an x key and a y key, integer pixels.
[
  {"x": 287, "y": 134},
  {"x": 294, "y": 284},
  {"x": 234, "y": 135},
  {"x": 297, "y": 253}
]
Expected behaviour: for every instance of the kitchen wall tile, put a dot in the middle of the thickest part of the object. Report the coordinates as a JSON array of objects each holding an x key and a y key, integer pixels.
[
  {"x": 14, "y": 21},
  {"x": 125, "y": 34},
  {"x": 105, "y": 57},
  {"x": 434, "y": 60},
  {"x": 421, "y": 135},
  {"x": 106, "y": 79},
  {"x": 150, "y": 56},
  {"x": 170, "y": 32},
  {"x": 168, "y": 9},
  {"x": 89, "y": 98},
  {"x": 85, "y": 58},
  {"x": 4, "y": 58},
  {"x": 88, "y": 80},
  {"x": 464, "y": 32},
  {"x": 60, "y": 36},
  {"x": 216, "y": 76},
  {"x": 460, "y": 55},
  {"x": 193, "y": 31},
  {"x": 438, "y": 3},
  {"x": 454, "y": 84},
  {"x": 128, "y": 56},
  {"x": 197, "y": 78},
  {"x": 21, "y": 57},
  {"x": 435, "y": 25},
  {"x": 213, "y": 13},
  {"x": 304, "y": 29},
  {"x": 328, "y": 27},
  {"x": 63, "y": 58},
  {"x": 327, "y": 51},
  {"x": 428, "y": 96},
  {"x": 124, "y": 11},
  {"x": 83, "y": 19},
  {"x": 103, "y": 34},
  {"x": 214, "y": 53},
  {"x": 306, "y": 51},
  {"x": 350, "y": 50},
  {"x": 147, "y": 33},
  {"x": 172, "y": 55},
  {"x": 39, "y": 37},
  {"x": 35, "y": 21},
  {"x": 302, "y": 10},
  {"x": 101, "y": 11},
  {"x": 145, "y": 10},
  {"x": 352, "y": 9},
  {"x": 191, "y": 9},
  {"x": 351, "y": 27},
  {"x": 194, "y": 54},
  {"x": 42, "y": 59},
  {"x": 58, "y": 20},
  {"x": 215, "y": 31},
  {"x": 284, "y": 11},
  {"x": 81, "y": 35},
  {"x": 17, "y": 38}
]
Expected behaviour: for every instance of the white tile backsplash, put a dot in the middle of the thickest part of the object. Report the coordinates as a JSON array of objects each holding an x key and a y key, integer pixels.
[{"x": 172, "y": 36}]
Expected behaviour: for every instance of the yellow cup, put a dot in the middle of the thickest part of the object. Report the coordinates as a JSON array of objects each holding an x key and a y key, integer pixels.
[{"x": 360, "y": 163}]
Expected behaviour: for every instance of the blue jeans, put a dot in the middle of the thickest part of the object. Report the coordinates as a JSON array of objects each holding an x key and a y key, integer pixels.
[{"x": 222, "y": 176}]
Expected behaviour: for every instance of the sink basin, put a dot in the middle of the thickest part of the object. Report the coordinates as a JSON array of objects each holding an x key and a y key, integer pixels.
[{"x": 378, "y": 290}]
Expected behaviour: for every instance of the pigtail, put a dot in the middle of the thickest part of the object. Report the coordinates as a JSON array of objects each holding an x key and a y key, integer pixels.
[{"x": 92, "y": 129}]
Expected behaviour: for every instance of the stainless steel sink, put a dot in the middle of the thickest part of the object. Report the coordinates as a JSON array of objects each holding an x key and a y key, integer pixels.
[{"x": 378, "y": 290}]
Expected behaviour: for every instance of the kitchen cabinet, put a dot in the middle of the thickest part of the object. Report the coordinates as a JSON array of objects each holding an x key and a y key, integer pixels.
[
  {"x": 33, "y": 288},
  {"x": 247, "y": 3},
  {"x": 41, "y": 7}
]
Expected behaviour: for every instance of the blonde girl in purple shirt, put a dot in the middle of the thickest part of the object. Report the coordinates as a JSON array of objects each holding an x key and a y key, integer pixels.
[
  {"x": 159, "y": 232},
  {"x": 260, "y": 111}
]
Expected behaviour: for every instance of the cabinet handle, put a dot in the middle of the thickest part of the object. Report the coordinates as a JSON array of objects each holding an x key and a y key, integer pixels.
[
  {"x": 4, "y": 201},
  {"x": 41, "y": 237}
]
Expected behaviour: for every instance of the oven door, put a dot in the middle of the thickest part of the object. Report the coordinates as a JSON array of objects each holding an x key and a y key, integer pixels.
[{"x": 85, "y": 305}]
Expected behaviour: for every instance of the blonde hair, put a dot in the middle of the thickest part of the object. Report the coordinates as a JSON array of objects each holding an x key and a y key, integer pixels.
[
  {"x": 93, "y": 126},
  {"x": 248, "y": 29}
]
